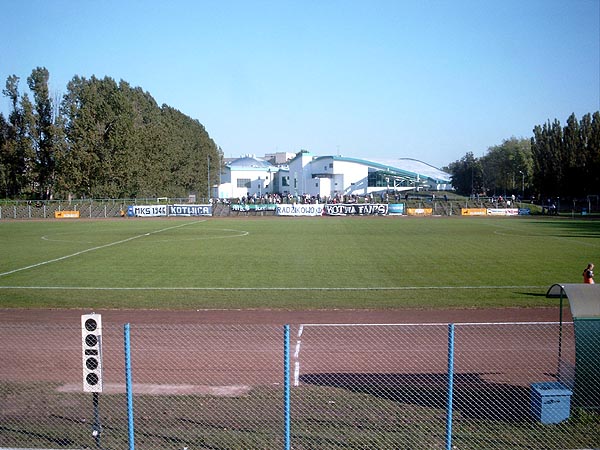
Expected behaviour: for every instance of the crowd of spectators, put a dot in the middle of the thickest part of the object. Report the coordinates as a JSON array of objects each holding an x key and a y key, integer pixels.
[
  {"x": 310, "y": 199},
  {"x": 380, "y": 197}
]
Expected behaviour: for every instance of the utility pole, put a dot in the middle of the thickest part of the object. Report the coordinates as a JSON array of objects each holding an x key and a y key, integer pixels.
[{"x": 522, "y": 185}]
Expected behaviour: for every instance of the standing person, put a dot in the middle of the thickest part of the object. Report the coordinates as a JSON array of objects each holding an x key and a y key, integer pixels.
[{"x": 588, "y": 274}]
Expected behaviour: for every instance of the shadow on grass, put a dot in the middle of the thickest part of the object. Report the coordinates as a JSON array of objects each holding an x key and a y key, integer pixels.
[
  {"x": 474, "y": 397},
  {"x": 62, "y": 442},
  {"x": 533, "y": 294}
]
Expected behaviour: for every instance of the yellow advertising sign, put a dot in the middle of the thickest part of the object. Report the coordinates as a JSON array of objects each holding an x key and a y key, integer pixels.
[
  {"x": 419, "y": 211},
  {"x": 66, "y": 214},
  {"x": 473, "y": 211}
]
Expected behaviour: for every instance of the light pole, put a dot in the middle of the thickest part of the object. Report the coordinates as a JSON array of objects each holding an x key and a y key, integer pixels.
[
  {"x": 387, "y": 192},
  {"x": 472, "y": 191},
  {"x": 270, "y": 184},
  {"x": 522, "y": 185},
  {"x": 207, "y": 178}
]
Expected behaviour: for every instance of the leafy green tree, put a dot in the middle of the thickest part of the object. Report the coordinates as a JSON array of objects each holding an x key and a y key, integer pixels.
[
  {"x": 565, "y": 159},
  {"x": 507, "y": 166},
  {"x": 592, "y": 146},
  {"x": 107, "y": 139},
  {"x": 467, "y": 175},
  {"x": 588, "y": 154},
  {"x": 546, "y": 147},
  {"x": 98, "y": 127},
  {"x": 503, "y": 170},
  {"x": 17, "y": 152},
  {"x": 42, "y": 133},
  {"x": 573, "y": 158},
  {"x": 4, "y": 168},
  {"x": 121, "y": 144}
]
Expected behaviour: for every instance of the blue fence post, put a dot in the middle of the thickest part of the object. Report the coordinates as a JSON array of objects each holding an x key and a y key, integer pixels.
[
  {"x": 286, "y": 386},
  {"x": 128, "y": 387},
  {"x": 450, "y": 386}
]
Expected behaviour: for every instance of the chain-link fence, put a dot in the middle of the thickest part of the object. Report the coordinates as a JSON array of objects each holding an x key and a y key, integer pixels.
[
  {"x": 464, "y": 386},
  {"x": 110, "y": 208},
  {"x": 47, "y": 209},
  {"x": 88, "y": 209}
]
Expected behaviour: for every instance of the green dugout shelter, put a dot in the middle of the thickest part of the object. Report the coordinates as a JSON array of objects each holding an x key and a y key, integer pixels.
[{"x": 584, "y": 300}]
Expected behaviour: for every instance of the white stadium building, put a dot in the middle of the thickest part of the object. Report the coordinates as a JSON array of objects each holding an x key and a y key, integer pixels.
[{"x": 327, "y": 176}]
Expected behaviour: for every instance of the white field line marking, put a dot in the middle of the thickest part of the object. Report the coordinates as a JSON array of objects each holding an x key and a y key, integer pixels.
[
  {"x": 444, "y": 324},
  {"x": 180, "y": 288},
  {"x": 99, "y": 247},
  {"x": 46, "y": 238},
  {"x": 297, "y": 357},
  {"x": 316, "y": 325},
  {"x": 297, "y": 373},
  {"x": 240, "y": 233}
]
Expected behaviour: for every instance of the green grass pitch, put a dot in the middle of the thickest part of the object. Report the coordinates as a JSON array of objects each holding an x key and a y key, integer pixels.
[{"x": 292, "y": 263}]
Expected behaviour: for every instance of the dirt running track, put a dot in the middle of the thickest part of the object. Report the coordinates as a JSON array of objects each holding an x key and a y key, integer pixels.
[{"x": 170, "y": 350}]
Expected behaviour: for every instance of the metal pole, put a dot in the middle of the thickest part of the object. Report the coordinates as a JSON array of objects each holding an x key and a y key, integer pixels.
[
  {"x": 96, "y": 429},
  {"x": 522, "y": 185},
  {"x": 286, "y": 386},
  {"x": 560, "y": 326},
  {"x": 128, "y": 386},
  {"x": 208, "y": 177},
  {"x": 450, "y": 386}
]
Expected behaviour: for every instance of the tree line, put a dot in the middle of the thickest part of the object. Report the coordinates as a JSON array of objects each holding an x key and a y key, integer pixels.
[
  {"x": 557, "y": 161},
  {"x": 101, "y": 139},
  {"x": 104, "y": 139}
]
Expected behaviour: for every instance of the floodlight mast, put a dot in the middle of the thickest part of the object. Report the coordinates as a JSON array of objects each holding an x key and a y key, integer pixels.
[{"x": 522, "y": 185}]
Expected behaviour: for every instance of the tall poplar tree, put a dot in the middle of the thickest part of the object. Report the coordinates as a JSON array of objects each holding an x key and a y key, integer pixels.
[
  {"x": 42, "y": 132},
  {"x": 107, "y": 140},
  {"x": 4, "y": 168},
  {"x": 17, "y": 153}
]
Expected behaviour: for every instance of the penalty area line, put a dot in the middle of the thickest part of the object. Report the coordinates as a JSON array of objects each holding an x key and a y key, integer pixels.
[{"x": 149, "y": 288}]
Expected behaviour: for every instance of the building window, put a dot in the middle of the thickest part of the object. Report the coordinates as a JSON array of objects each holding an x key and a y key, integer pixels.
[
  {"x": 243, "y": 183},
  {"x": 378, "y": 179}
]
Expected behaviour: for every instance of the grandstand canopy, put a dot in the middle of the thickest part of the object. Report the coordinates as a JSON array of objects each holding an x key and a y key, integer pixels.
[
  {"x": 249, "y": 162},
  {"x": 415, "y": 166}
]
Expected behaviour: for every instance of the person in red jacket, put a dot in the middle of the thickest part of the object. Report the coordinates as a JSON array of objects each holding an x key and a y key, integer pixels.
[{"x": 588, "y": 274}]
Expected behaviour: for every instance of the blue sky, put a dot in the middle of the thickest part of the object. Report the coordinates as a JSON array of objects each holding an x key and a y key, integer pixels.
[{"x": 429, "y": 79}]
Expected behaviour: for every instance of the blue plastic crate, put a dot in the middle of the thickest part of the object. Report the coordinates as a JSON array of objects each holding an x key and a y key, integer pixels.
[{"x": 550, "y": 402}]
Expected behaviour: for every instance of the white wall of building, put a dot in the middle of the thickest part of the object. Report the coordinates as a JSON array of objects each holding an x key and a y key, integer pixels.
[
  {"x": 306, "y": 174},
  {"x": 354, "y": 178}
]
